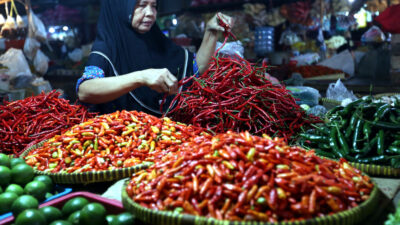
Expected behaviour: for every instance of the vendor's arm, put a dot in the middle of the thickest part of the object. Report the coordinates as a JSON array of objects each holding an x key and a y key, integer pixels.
[
  {"x": 105, "y": 89},
  {"x": 207, "y": 47}
]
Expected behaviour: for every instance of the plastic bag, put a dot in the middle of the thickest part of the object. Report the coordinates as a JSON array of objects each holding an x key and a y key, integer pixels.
[
  {"x": 306, "y": 59},
  {"x": 317, "y": 110},
  {"x": 231, "y": 48},
  {"x": 288, "y": 37},
  {"x": 22, "y": 81},
  {"x": 337, "y": 91},
  {"x": 373, "y": 34},
  {"x": 36, "y": 27},
  {"x": 16, "y": 62},
  {"x": 30, "y": 47},
  {"x": 305, "y": 95},
  {"x": 41, "y": 62},
  {"x": 76, "y": 55}
]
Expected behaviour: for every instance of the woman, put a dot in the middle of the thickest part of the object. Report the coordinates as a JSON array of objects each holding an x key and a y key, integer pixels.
[{"x": 134, "y": 63}]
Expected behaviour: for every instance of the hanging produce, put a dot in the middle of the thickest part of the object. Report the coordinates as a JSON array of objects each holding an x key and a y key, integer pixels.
[
  {"x": 365, "y": 131},
  {"x": 26, "y": 122},
  {"x": 118, "y": 140},
  {"x": 243, "y": 177},
  {"x": 234, "y": 94}
]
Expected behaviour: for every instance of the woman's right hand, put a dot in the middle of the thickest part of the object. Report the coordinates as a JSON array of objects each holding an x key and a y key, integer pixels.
[{"x": 160, "y": 80}]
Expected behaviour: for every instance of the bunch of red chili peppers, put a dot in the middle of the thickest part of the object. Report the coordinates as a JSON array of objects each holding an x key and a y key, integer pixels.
[
  {"x": 234, "y": 94},
  {"x": 33, "y": 119},
  {"x": 237, "y": 176},
  {"x": 120, "y": 139}
]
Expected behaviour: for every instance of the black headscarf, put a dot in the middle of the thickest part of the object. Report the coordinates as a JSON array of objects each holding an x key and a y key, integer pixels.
[{"x": 131, "y": 51}]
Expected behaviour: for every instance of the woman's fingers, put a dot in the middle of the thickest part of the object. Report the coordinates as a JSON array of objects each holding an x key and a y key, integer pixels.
[{"x": 172, "y": 83}]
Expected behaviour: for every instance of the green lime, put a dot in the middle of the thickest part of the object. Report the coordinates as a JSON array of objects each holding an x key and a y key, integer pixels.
[
  {"x": 49, "y": 195},
  {"x": 16, "y": 161},
  {"x": 61, "y": 222},
  {"x": 5, "y": 176},
  {"x": 37, "y": 189},
  {"x": 47, "y": 181},
  {"x": 111, "y": 218},
  {"x": 123, "y": 219},
  {"x": 6, "y": 201},
  {"x": 74, "y": 218},
  {"x": 51, "y": 213},
  {"x": 24, "y": 202},
  {"x": 21, "y": 174},
  {"x": 73, "y": 205},
  {"x": 4, "y": 160},
  {"x": 17, "y": 189},
  {"x": 93, "y": 213},
  {"x": 30, "y": 217},
  {"x": 1, "y": 190}
]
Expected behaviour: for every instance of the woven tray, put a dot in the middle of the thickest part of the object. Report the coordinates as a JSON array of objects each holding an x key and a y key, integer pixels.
[
  {"x": 377, "y": 170},
  {"x": 88, "y": 177},
  {"x": 329, "y": 103},
  {"x": 348, "y": 217}
]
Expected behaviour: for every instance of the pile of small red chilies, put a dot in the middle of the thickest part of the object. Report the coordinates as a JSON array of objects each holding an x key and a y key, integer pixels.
[
  {"x": 237, "y": 176},
  {"x": 26, "y": 122},
  {"x": 234, "y": 94},
  {"x": 111, "y": 141}
]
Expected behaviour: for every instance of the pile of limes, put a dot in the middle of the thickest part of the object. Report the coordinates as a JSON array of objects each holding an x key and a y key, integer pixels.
[
  {"x": 76, "y": 211},
  {"x": 21, "y": 192},
  {"x": 19, "y": 188}
]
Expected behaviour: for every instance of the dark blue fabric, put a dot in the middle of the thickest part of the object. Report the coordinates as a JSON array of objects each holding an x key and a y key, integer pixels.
[{"x": 131, "y": 51}]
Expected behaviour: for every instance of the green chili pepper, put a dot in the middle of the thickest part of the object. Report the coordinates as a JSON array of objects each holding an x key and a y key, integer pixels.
[
  {"x": 315, "y": 138},
  {"x": 342, "y": 141},
  {"x": 96, "y": 143},
  {"x": 373, "y": 160},
  {"x": 324, "y": 146},
  {"x": 381, "y": 142},
  {"x": 396, "y": 143},
  {"x": 393, "y": 150},
  {"x": 352, "y": 125},
  {"x": 385, "y": 125},
  {"x": 381, "y": 111},
  {"x": 325, "y": 154},
  {"x": 333, "y": 143},
  {"x": 357, "y": 131},
  {"x": 366, "y": 130}
]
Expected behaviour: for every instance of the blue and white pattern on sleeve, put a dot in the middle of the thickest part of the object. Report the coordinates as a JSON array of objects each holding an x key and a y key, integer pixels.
[{"x": 91, "y": 72}]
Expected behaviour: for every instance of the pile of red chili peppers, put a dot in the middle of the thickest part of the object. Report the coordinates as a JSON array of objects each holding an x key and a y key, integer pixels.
[
  {"x": 120, "y": 139},
  {"x": 234, "y": 94},
  {"x": 33, "y": 119},
  {"x": 237, "y": 176}
]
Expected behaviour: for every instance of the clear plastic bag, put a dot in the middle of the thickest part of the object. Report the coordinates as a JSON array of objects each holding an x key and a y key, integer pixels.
[
  {"x": 16, "y": 62},
  {"x": 337, "y": 91},
  {"x": 231, "y": 48},
  {"x": 373, "y": 34},
  {"x": 41, "y": 62},
  {"x": 30, "y": 47},
  {"x": 36, "y": 27}
]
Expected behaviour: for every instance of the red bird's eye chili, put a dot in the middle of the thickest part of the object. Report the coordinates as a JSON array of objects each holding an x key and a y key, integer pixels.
[
  {"x": 234, "y": 94},
  {"x": 26, "y": 122},
  {"x": 265, "y": 180},
  {"x": 120, "y": 139}
]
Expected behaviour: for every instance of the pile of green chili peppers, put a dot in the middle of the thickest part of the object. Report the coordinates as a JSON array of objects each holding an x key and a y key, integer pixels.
[{"x": 365, "y": 131}]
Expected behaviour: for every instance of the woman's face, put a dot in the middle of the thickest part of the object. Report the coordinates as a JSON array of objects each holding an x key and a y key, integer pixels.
[{"x": 144, "y": 15}]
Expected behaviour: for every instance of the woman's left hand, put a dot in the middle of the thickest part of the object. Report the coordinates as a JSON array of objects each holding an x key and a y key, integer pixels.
[{"x": 214, "y": 25}]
